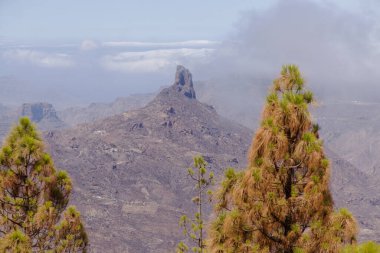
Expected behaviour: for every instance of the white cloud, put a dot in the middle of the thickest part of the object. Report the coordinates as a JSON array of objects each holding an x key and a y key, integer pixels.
[
  {"x": 88, "y": 45},
  {"x": 152, "y": 60},
  {"x": 189, "y": 43},
  {"x": 39, "y": 58},
  {"x": 338, "y": 50}
]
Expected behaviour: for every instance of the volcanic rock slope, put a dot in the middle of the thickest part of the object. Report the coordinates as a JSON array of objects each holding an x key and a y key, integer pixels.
[{"x": 129, "y": 170}]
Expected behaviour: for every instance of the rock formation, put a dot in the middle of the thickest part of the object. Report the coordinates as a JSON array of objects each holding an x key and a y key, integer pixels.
[
  {"x": 38, "y": 111},
  {"x": 43, "y": 114},
  {"x": 183, "y": 82}
]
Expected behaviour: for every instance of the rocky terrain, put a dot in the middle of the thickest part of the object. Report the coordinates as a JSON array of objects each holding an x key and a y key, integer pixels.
[
  {"x": 130, "y": 177},
  {"x": 95, "y": 111},
  {"x": 242, "y": 104},
  {"x": 130, "y": 169},
  {"x": 358, "y": 192},
  {"x": 353, "y": 129},
  {"x": 47, "y": 118},
  {"x": 43, "y": 114}
]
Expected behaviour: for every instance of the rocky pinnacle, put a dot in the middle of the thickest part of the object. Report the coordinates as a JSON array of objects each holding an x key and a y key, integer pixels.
[{"x": 183, "y": 82}]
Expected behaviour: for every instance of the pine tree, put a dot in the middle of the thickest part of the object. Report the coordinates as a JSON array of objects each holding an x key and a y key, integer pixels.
[
  {"x": 193, "y": 229},
  {"x": 281, "y": 202},
  {"x": 367, "y": 247},
  {"x": 34, "y": 197}
]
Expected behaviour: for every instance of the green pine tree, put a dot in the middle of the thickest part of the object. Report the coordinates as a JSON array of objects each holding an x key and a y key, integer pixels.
[
  {"x": 367, "y": 247},
  {"x": 281, "y": 203},
  {"x": 33, "y": 198},
  {"x": 193, "y": 229}
]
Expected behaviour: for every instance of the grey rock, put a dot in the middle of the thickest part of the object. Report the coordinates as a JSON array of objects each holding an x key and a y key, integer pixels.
[
  {"x": 38, "y": 111},
  {"x": 184, "y": 82},
  {"x": 43, "y": 114}
]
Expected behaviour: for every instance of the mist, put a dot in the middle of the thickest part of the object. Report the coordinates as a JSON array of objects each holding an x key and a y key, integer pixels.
[
  {"x": 336, "y": 49},
  {"x": 89, "y": 71}
]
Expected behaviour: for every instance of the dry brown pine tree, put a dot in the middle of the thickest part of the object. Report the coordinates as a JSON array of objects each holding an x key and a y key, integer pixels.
[
  {"x": 281, "y": 203},
  {"x": 33, "y": 198}
]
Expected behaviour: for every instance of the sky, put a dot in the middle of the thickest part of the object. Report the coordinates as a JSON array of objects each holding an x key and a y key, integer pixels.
[
  {"x": 336, "y": 45},
  {"x": 146, "y": 20},
  {"x": 76, "y": 52}
]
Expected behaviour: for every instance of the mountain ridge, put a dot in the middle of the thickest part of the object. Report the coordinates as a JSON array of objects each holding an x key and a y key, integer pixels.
[{"x": 129, "y": 169}]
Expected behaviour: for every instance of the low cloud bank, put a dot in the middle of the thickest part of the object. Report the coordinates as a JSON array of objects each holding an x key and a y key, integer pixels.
[
  {"x": 338, "y": 50},
  {"x": 42, "y": 59}
]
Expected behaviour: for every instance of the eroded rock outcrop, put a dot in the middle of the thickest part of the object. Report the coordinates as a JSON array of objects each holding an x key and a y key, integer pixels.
[
  {"x": 43, "y": 114},
  {"x": 184, "y": 82}
]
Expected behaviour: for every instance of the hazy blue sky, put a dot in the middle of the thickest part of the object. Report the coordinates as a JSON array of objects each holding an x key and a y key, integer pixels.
[
  {"x": 80, "y": 51},
  {"x": 148, "y": 20}
]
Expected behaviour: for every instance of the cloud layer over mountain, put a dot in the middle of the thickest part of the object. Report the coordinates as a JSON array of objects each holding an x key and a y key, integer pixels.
[
  {"x": 337, "y": 49},
  {"x": 38, "y": 58}
]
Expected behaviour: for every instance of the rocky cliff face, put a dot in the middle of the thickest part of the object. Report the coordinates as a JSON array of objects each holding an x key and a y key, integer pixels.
[
  {"x": 39, "y": 111},
  {"x": 43, "y": 114},
  {"x": 184, "y": 82}
]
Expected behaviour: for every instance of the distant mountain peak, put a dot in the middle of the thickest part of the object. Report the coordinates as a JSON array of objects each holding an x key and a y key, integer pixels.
[
  {"x": 183, "y": 83},
  {"x": 180, "y": 91},
  {"x": 131, "y": 165}
]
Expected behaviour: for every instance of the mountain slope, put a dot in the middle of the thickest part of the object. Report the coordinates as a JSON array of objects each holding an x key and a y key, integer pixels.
[
  {"x": 129, "y": 169},
  {"x": 97, "y": 111},
  {"x": 353, "y": 129},
  {"x": 355, "y": 190}
]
